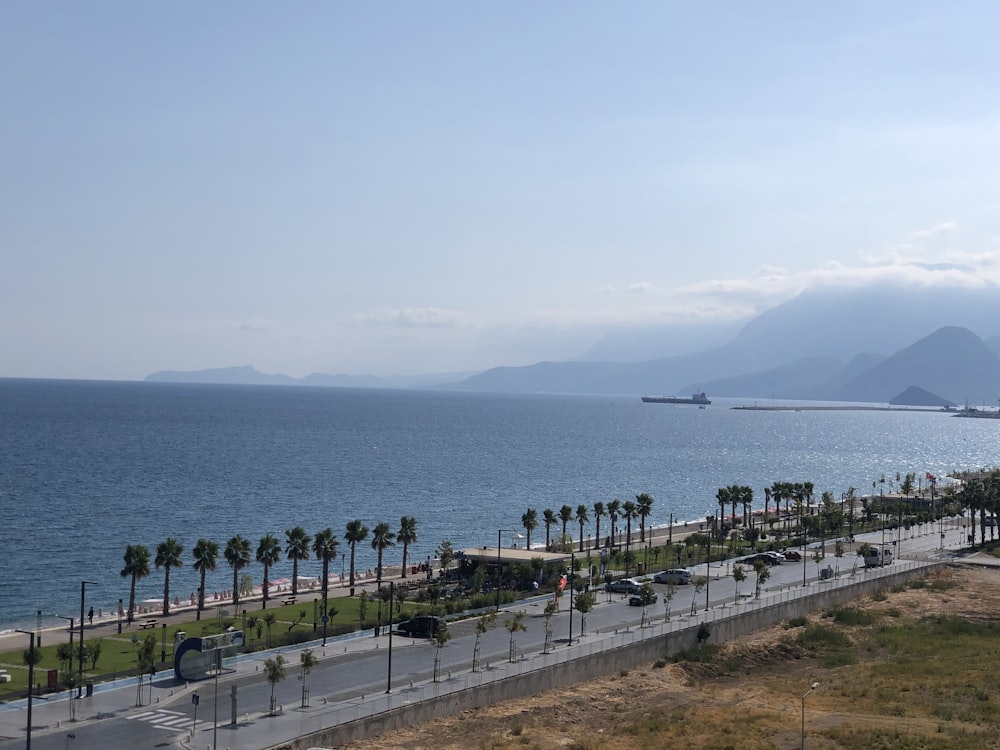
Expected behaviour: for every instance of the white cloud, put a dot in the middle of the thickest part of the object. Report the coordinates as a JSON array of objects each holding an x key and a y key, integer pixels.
[
  {"x": 942, "y": 228},
  {"x": 641, "y": 287},
  {"x": 434, "y": 317}
]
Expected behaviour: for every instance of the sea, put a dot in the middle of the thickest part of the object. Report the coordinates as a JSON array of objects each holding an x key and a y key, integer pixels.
[{"x": 89, "y": 467}]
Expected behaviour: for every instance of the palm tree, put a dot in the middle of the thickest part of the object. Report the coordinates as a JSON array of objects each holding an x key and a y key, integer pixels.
[
  {"x": 581, "y": 518},
  {"x": 746, "y": 500},
  {"x": 629, "y": 512},
  {"x": 137, "y": 567},
  {"x": 168, "y": 555},
  {"x": 530, "y": 522},
  {"x": 407, "y": 535},
  {"x": 614, "y": 510},
  {"x": 382, "y": 538},
  {"x": 296, "y": 548},
  {"x": 598, "y": 512},
  {"x": 644, "y": 507},
  {"x": 356, "y": 532},
  {"x": 237, "y": 554},
  {"x": 325, "y": 547},
  {"x": 723, "y": 497},
  {"x": 549, "y": 518},
  {"x": 206, "y": 556},
  {"x": 268, "y": 554},
  {"x": 565, "y": 515}
]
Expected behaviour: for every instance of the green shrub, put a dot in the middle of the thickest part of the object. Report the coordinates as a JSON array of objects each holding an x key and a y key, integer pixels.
[
  {"x": 821, "y": 636},
  {"x": 850, "y": 616},
  {"x": 796, "y": 622}
]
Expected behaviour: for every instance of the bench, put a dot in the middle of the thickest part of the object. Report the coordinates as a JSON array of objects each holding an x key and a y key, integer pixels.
[{"x": 147, "y": 625}]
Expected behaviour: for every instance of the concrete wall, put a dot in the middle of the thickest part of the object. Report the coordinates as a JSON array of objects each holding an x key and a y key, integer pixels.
[{"x": 597, "y": 665}]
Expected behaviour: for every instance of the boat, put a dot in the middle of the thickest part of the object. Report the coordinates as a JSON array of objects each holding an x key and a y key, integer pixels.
[{"x": 696, "y": 398}]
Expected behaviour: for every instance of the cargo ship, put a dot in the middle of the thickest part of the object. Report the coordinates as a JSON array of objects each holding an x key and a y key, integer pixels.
[{"x": 696, "y": 398}]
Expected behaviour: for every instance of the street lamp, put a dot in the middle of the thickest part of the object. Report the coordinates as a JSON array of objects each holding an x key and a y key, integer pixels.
[
  {"x": 811, "y": 688},
  {"x": 120, "y": 613},
  {"x": 31, "y": 678},
  {"x": 569, "y": 585},
  {"x": 83, "y": 598}
]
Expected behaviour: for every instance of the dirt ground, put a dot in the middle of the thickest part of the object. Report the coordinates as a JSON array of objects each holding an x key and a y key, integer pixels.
[{"x": 759, "y": 706}]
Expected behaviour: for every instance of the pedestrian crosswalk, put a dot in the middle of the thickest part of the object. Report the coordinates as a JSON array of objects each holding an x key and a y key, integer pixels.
[{"x": 175, "y": 721}]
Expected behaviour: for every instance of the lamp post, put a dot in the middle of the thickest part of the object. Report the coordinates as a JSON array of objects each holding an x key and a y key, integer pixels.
[
  {"x": 31, "y": 678},
  {"x": 120, "y": 615},
  {"x": 569, "y": 585},
  {"x": 499, "y": 532},
  {"x": 811, "y": 688},
  {"x": 83, "y": 599},
  {"x": 71, "y": 626},
  {"x": 388, "y": 682},
  {"x": 708, "y": 566}
]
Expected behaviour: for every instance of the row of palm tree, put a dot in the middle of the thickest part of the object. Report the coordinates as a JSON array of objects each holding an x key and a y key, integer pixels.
[
  {"x": 239, "y": 553},
  {"x": 642, "y": 508}
]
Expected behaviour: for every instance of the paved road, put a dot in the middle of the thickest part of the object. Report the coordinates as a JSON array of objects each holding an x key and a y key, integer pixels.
[{"x": 353, "y": 671}]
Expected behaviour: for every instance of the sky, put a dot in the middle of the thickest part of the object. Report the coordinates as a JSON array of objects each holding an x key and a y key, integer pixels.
[{"x": 400, "y": 187}]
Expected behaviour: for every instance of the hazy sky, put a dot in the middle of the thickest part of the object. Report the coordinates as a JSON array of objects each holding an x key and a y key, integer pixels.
[{"x": 413, "y": 186}]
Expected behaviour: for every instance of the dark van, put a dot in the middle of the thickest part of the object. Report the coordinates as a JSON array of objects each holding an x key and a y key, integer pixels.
[{"x": 425, "y": 626}]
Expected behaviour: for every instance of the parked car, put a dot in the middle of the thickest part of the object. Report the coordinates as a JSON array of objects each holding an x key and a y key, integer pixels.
[
  {"x": 775, "y": 558},
  {"x": 771, "y": 558},
  {"x": 424, "y": 626},
  {"x": 624, "y": 586},
  {"x": 678, "y": 576},
  {"x": 792, "y": 555},
  {"x": 636, "y": 599}
]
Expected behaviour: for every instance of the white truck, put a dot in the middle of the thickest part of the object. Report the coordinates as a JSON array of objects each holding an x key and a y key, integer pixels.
[{"x": 878, "y": 556}]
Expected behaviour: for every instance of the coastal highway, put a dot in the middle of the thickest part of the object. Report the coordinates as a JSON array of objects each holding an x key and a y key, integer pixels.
[{"x": 351, "y": 667}]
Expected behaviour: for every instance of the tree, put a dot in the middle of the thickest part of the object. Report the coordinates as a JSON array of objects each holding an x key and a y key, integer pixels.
[
  {"x": 296, "y": 548},
  {"x": 136, "y": 567},
  {"x": 599, "y": 512},
  {"x": 237, "y": 554},
  {"x": 269, "y": 619},
  {"x": 268, "y": 554},
  {"x": 274, "y": 672},
  {"x": 584, "y": 602},
  {"x": 407, "y": 535},
  {"x": 644, "y": 507},
  {"x": 168, "y": 556},
  {"x": 484, "y": 623},
  {"x": 253, "y": 625},
  {"x": 441, "y": 638},
  {"x": 206, "y": 557},
  {"x": 647, "y": 596},
  {"x": 629, "y": 512},
  {"x": 514, "y": 625},
  {"x": 668, "y": 596},
  {"x": 356, "y": 532},
  {"x": 529, "y": 520},
  {"x": 565, "y": 515},
  {"x": 581, "y": 518},
  {"x": 307, "y": 660},
  {"x": 382, "y": 539},
  {"x": 325, "y": 548},
  {"x": 145, "y": 659},
  {"x": 551, "y": 607},
  {"x": 763, "y": 572},
  {"x": 614, "y": 510},
  {"x": 445, "y": 555},
  {"x": 739, "y": 575},
  {"x": 549, "y": 518}
]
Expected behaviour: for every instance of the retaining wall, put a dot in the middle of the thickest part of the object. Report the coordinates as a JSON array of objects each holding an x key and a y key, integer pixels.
[{"x": 597, "y": 665}]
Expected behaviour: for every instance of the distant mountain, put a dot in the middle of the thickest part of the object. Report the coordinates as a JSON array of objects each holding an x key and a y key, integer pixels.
[
  {"x": 857, "y": 326},
  {"x": 914, "y": 396},
  {"x": 952, "y": 362},
  {"x": 248, "y": 375}
]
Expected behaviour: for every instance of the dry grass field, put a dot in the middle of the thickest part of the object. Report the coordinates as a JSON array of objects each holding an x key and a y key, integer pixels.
[{"x": 913, "y": 668}]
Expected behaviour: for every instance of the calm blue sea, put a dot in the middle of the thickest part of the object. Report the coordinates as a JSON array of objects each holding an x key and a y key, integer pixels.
[{"x": 87, "y": 468}]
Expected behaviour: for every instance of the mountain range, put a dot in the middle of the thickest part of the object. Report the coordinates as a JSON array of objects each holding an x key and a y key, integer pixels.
[{"x": 858, "y": 345}]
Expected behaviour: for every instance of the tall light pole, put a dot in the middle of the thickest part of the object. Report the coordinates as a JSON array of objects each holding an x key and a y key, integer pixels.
[
  {"x": 31, "y": 678},
  {"x": 569, "y": 585},
  {"x": 392, "y": 592},
  {"x": 83, "y": 599},
  {"x": 811, "y": 688},
  {"x": 499, "y": 532}
]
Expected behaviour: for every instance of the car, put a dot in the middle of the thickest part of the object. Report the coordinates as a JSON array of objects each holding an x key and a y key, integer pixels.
[
  {"x": 674, "y": 575},
  {"x": 425, "y": 626},
  {"x": 775, "y": 558},
  {"x": 624, "y": 586},
  {"x": 792, "y": 555},
  {"x": 771, "y": 558},
  {"x": 636, "y": 599}
]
